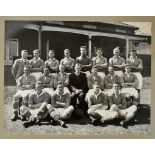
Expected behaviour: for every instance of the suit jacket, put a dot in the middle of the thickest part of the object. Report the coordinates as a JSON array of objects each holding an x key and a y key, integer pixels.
[
  {"x": 79, "y": 82},
  {"x": 18, "y": 68}
]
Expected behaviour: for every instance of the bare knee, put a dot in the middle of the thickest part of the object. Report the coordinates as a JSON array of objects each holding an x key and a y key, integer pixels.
[
  {"x": 23, "y": 109},
  {"x": 134, "y": 108},
  {"x": 71, "y": 107},
  {"x": 89, "y": 111},
  {"x": 50, "y": 108},
  {"x": 114, "y": 115},
  {"x": 114, "y": 107}
]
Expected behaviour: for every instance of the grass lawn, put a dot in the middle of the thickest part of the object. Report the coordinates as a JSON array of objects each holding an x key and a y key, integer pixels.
[{"x": 80, "y": 127}]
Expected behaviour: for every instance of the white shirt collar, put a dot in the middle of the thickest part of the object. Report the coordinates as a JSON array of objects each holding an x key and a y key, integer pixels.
[
  {"x": 39, "y": 94},
  {"x": 36, "y": 59},
  {"x": 65, "y": 58},
  {"x": 132, "y": 58},
  {"x": 117, "y": 94},
  {"x": 100, "y": 57},
  {"x": 62, "y": 74},
  {"x": 77, "y": 74},
  {"x": 46, "y": 76},
  {"x": 98, "y": 93},
  {"x": 111, "y": 75},
  {"x": 26, "y": 76},
  {"x": 52, "y": 59},
  {"x": 24, "y": 60},
  {"x": 116, "y": 58},
  {"x": 56, "y": 92}
]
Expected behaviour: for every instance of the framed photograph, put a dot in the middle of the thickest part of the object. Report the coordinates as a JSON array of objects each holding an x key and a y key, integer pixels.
[{"x": 67, "y": 77}]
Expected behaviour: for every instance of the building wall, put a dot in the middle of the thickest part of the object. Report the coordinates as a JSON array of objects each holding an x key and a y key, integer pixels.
[
  {"x": 108, "y": 44},
  {"x": 59, "y": 41},
  {"x": 26, "y": 40}
]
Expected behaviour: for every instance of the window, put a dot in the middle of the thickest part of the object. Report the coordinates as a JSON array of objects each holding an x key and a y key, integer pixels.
[{"x": 11, "y": 50}]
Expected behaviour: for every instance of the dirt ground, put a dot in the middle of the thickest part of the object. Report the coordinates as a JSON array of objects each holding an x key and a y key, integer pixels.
[{"x": 81, "y": 127}]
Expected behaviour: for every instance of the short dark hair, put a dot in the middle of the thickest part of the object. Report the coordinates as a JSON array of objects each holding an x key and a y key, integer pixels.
[
  {"x": 46, "y": 68},
  {"x": 94, "y": 67},
  {"x": 22, "y": 51},
  {"x": 133, "y": 51},
  {"x": 127, "y": 65},
  {"x": 60, "y": 83},
  {"x": 28, "y": 67},
  {"x": 96, "y": 83},
  {"x": 99, "y": 49},
  {"x": 84, "y": 47},
  {"x": 66, "y": 50},
  {"x": 110, "y": 66},
  {"x": 38, "y": 82},
  {"x": 77, "y": 64},
  {"x": 117, "y": 83},
  {"x": 51, "y": 51}
]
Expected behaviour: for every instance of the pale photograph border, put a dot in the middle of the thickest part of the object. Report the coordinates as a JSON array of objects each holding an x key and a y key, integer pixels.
[{"x": 4, "y": 135}]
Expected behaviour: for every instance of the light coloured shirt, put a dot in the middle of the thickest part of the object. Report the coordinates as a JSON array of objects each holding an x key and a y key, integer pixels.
[
  {"x": 68, "y": 62},
  {"x": 91, "y": 79},
  {"x": 47, "y": 80},
  {"x": 119, "y": 100},
  {"x": 101, "y": 60},
  {"x": 27, "y": 80},
  {"x": 18, "y": 67},
  {"x": 36, "y": 64},
  {"x": 62, "y": 77},
  {"x": 110, "y": 80},
  {"x": 34, "y": 98},
  {"x": 116, "y": 61},
  {"x": 100, "y": 98},
  {"x": 130, "y": 78},
  {"x": 52, "y": 63},
  {"x": 64, "y": 98},
  {"x": 135, "y": 62}
]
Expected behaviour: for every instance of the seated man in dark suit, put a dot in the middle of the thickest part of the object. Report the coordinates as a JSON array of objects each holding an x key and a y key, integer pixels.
[{"x": 78, "y": 88}]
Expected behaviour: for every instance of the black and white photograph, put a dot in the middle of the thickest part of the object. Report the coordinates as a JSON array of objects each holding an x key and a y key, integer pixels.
[{"x": 77, "y": 78}]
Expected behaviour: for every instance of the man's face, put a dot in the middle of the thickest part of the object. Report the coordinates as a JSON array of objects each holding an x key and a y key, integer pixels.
[
  {"x": 94, "y": 70},
  {"x": 39, "y": 87},
  {"x": 61, "y": 68},
  {"x": 116, "y": 53},
  {"x": 77, "y": 69},
  {"x": 111, "y": 70},
  {"x": 51, "y": 54},
  {"x": 26, "y": 71},
  {"x": 99, "y": 53},
  {"x": 36, "y": 54},
  {"x": 96, "y": 88},
  {"x": 60, "y": 88},
  {"x": 24, "y": 55},
  {"x": 83, "y": 51},
  {"x": 46, "y": 71},
  {"x": 133, "y": 54},
  {"x": 67, "y": 53},
  {"x": 116, "y": 88},
  {"x": 128, "y": 69}
]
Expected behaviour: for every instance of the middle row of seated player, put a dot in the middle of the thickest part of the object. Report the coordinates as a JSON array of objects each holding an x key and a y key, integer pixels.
[{"x": 77, "y": 84}]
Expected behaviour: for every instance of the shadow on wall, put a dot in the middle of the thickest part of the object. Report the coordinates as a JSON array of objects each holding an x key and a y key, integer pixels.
[
  {"x": 146, "y": 64},
  {"x": 8, "y": 77}
]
